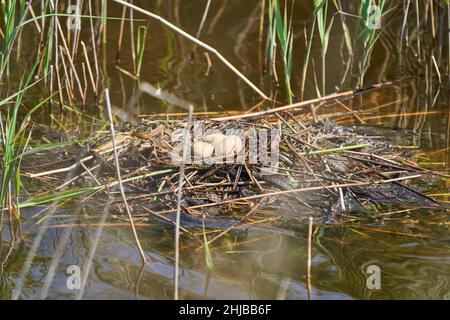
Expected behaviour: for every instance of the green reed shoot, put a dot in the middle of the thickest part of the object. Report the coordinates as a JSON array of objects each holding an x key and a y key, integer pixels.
[
  {"x": 9, "y": 15},
  {"x": 281, "y": 29},
  {"x": 307, "y": 57},
  {"x": 140, "y": 47},
  {"x": 14, "y": 140},
  {"x": 369, "y": 35},
  {"x": 12, "y": 28},
  {"x": 348, "y": 40},
  {"x": 320, "y": 11}
]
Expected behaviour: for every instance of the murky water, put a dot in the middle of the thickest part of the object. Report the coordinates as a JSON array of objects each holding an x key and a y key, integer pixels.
[{"x": 412, "y": 249}]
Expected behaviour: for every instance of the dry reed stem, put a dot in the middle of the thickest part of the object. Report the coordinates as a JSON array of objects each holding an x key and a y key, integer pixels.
[
  {"x": 284, "y": 192},
  {"x": 329, "y": 97},
  {"x": 88, "y": 64},
  {"x": 119, "y": 176},
  {"x": 308, "y": 266},
  {"x": 179, "y": 199}
]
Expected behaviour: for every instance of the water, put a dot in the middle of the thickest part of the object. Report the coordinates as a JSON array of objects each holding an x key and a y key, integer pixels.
[{"x": 411, "y": 249}]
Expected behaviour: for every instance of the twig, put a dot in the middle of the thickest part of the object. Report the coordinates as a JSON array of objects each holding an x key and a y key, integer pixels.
[
  {"x": 308, "y": 266},
  {"x": 284, "y": 192},
  {"x": 119, "y": 176},
  {"x": 88, "y": 64},
  {"x": 94, "y": 49},
  {"x": 332, "y": 96},
  {"x": 179, "y": 198}
]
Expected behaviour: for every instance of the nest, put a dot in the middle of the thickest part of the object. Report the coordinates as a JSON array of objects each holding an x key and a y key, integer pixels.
[{"x": 323, "y": 170}]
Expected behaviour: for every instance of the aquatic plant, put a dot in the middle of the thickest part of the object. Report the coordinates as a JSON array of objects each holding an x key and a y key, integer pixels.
[
  {"x": 12, "y": 28},
  {"x": 370, "y": 33},
  {"x": 324, "y": 27},
  {"x": 14, "y": 142},
  {"x": 280, "y": 27}
]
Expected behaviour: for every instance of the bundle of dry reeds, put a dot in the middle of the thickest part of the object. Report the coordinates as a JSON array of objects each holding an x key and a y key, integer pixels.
[{"x": 323, "y": 169}]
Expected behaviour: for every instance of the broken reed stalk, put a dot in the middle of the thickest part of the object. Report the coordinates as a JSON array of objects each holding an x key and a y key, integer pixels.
[
  {"x": 94, "y": 48},
  {"x": 308, "y": 265},
  {"x": 88, "y": 64},
  {"x": 329, "y": 97},
  {"x": 133, "y": 47},
  {"x": 119, "y": 41},
  {"x": 83, "y": 67},
  {"x": 199, "y": 43},
  {"x": 69, "y": 58},
  {"x": 119, "y": 176},
  {"x": 179, "y": 199}
]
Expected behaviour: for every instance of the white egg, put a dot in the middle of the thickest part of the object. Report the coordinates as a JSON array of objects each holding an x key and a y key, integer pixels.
[
  {"x": 214, "y": 138},
  {"x": 224, "y": 147},
  {"x": 228, "y": 146},
  {"x": 202, "y": 149}
]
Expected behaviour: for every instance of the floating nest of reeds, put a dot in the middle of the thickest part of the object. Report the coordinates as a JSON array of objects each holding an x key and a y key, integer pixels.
[{"x": 323, "y": 170}]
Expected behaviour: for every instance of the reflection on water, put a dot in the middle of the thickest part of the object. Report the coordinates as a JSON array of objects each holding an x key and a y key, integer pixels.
[
  {"x": 411, "y": 249},
  {"x": 252, "y": 264}
]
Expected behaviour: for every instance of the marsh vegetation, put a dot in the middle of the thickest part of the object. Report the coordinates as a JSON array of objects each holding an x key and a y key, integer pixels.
[{"x": 96, "y": 94}]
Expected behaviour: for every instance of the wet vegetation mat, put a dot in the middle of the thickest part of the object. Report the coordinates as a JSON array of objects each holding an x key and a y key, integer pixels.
[{"x": 320, "y": 169}]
